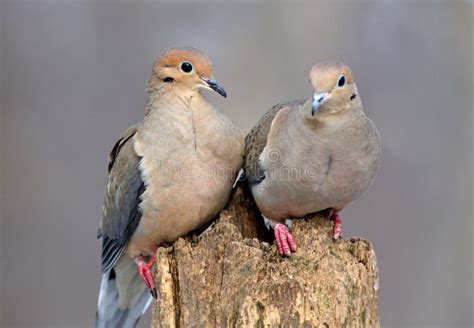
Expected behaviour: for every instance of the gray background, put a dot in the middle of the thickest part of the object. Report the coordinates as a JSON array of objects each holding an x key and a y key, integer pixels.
[{"x": 72, "y": 79}]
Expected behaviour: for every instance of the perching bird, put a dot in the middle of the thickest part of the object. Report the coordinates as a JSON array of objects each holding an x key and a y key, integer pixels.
[
  {"x": 168, "y": 175},
  {"x": 310, "y": 155}
]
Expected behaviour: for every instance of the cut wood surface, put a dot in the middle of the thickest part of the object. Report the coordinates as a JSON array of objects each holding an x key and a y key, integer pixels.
[{"x": 229, "y": 275}]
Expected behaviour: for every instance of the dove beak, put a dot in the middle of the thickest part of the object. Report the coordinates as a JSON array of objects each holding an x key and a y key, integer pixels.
[
  {"x": 318, "y": 99},
  {"x": 214, "y": 85}
]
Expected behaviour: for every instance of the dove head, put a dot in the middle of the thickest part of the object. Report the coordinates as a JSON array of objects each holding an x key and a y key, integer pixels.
[
  {"x": 185, "y": 68},
  {"x": 334, "y": 89}
]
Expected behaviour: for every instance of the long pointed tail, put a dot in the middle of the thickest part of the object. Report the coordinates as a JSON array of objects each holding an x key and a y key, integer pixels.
[{"x": 123, "y": 297}]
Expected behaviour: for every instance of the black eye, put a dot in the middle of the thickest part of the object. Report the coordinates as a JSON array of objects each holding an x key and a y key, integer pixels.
[
  {"x": 186, "y": 67},
  {"x": 341, "y": 81}
]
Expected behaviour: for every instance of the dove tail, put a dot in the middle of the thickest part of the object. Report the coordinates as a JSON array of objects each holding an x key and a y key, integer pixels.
[{"x": 123, "y": 297}]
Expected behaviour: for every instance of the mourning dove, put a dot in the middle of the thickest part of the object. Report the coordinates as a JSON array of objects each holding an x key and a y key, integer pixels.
[
  {"x": 310, "y": 155},
  {"x": 168, "y": 175}
]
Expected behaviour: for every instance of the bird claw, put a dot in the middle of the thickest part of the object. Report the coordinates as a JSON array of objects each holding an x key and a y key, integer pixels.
[
  {"x": 146, "y": 274},
  {"x": 154, "y": 293},
  {"x": 285, "y": 241}
]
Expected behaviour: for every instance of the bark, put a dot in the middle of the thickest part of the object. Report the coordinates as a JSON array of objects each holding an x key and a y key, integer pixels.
[{"x": 229, "y": 276}]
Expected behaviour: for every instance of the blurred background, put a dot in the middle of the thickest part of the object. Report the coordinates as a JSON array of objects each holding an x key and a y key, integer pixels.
[{"x": 72, "y": 79}]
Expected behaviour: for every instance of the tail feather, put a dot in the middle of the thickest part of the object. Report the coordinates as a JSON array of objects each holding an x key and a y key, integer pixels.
[{"x": 123, "y": 297}]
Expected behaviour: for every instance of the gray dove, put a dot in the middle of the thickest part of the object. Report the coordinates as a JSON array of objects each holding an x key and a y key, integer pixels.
[
  {"x": 168, "y": 175},
  {"x": 312, "y": 155}
]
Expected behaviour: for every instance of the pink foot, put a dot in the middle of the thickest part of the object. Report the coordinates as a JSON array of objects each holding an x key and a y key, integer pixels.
[
  {"x": 337, "y": 232},
  {"x": 144, "y": 269},
  {"x": 286, "y": 244}
]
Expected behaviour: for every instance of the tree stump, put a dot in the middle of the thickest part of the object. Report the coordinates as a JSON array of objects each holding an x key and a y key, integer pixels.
[{"x": 230, "y": 276}]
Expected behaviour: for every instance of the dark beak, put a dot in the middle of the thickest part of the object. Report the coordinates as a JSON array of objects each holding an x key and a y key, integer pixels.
[{"x": 215, "y": 86}]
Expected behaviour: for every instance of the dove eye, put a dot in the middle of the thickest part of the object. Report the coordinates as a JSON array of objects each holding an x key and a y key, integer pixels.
[
  {"x": 186, "y": 67},
  {"x": 341, "y": 81}
]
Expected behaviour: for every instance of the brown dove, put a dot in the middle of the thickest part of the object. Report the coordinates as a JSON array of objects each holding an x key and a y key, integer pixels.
[
  {"x": 311, "y": 155},
  {"x": 168, "y": 175}
]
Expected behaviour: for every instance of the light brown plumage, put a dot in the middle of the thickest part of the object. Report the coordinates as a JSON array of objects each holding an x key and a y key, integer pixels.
[
  {"x": 165, "y": 66},
  {"x": 169, "y": 174},
  {"x": 307, "y": 156},
  {"x": 182, "y": 143}
]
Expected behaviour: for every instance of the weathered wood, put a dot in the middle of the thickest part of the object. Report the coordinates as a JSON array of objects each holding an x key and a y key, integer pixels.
[{"x": 221, "y": 279}]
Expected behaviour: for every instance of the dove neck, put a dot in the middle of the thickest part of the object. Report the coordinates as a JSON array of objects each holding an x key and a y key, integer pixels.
[
  {"x": 168, "y": 98},
  {"x": 185, "y": 111},
  {"x": 329, "y": 115},
  {"x": 324, "y": 125}
]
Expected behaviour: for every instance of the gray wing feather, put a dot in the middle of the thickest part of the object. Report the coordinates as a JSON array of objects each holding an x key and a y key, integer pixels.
[{"x": 121, "y": 212}]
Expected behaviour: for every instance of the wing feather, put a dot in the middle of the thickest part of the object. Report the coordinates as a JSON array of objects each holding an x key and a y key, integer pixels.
[
  {"x": 121, "y": 212},
  {"x": 256, "y": 141}
]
